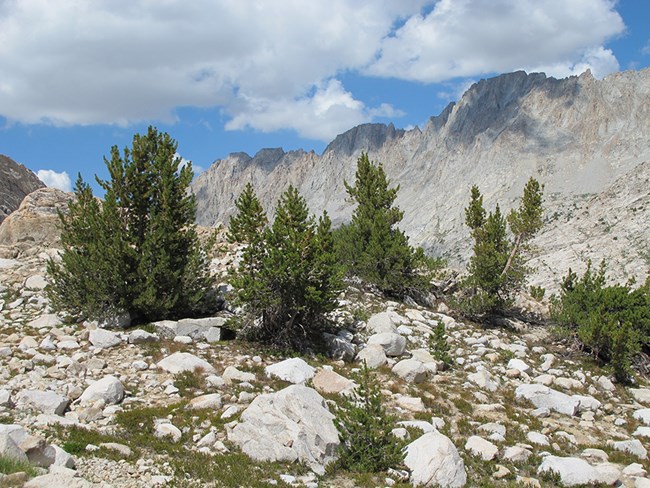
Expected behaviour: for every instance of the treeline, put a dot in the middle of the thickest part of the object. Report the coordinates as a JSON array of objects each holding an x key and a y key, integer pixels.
[{"x": 137, "y": 254}]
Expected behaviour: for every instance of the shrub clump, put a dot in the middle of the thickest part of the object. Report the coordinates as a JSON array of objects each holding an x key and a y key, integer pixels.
[
  {"x": 288, "y": 277},
  {"x": 137, "y": 251},
  {"x": 613, "y": 322}
]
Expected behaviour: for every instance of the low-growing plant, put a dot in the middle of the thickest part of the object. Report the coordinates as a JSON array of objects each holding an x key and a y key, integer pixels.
[
  {"x": 613, "y": 322},
  {"x": 537, "y": 292},
  {"x": 367, "y": 441},
  {"x": 438, "y": 345},
  {"x": 9, "y": 466}
]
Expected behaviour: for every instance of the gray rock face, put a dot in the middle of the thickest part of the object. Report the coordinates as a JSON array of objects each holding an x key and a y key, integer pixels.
[
  {"x": 434, "y": 461},
  {"x": 16, "y": 182},
  {"x": 293, "y": 424},
  {"x": 585, "y": 139}
]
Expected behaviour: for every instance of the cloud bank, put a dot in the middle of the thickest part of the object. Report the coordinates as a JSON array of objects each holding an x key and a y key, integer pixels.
[{"x": 274, "y": 65}]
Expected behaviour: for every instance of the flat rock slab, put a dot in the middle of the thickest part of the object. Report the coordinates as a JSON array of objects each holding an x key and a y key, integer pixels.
[
  {"x": 544, "y": 397},
  {"x": 292, "y": 424},
  {"x": 328, "y": 381},
  {"x": 293, "y": 370},
  {"x": 184, "y": 361},
  {"x": 572, "y": 471}
]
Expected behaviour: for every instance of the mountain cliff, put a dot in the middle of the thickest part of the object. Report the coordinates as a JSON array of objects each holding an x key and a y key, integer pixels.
[
  {"x": 16, "y": 182},
  {"x": 585, "y": 139}
]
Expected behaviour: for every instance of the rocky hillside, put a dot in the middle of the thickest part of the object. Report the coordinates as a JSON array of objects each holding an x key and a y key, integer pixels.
[
  {"x": 585, "y": 139},
  {"x": 16, "y": 182},
  {"x": 173, "y": 404}
]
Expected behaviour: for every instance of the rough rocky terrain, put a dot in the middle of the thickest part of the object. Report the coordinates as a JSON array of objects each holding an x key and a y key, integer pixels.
[
  {"x": 16, "y": 182},
  {"x": 585, "y": 139},
  {"x": 173, "y": 404}
]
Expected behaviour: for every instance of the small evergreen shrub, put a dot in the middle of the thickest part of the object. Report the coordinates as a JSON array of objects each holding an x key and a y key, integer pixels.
[
  {"x": 438, "y": 345},
  {"x": 289, "y": 277},
  {"x": 537, "y": 292},
  {"x": 365, "y": 428},
  {"x": 613, "y": 322}
]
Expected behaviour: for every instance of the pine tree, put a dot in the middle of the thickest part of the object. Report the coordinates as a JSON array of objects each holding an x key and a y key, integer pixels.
[
  {"x": 371, "y": 246},
  {"x": 290, "y": 278},
  {"x": 496, "y": 269},
  {"x": 140, "y": 243},
  {"x": 365, "y": 427}
]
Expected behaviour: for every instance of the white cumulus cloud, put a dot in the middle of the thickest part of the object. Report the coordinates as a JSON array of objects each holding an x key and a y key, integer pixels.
[
  {"x": 466, "y": 38},
  {"x": 54, "y": 179}
]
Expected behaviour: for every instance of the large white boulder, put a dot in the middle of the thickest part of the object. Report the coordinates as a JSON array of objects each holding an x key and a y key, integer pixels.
[
  {"x": 384, "y": 322},
  {"x": 434, "y": 461},
  {"x": 109, "y": 389},
  {"x": 410, "y": 370},
  {"x": 293, "y": 424},
  {"x": 481, "y": 448},
  {"x": 293, "y": 370},
  {"x": 184, "y": 361}
]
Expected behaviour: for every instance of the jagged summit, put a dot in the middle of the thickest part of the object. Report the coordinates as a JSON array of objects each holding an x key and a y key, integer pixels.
[
  {"x": 579, "y": 136},
  {"x": 365, "y": 137}
]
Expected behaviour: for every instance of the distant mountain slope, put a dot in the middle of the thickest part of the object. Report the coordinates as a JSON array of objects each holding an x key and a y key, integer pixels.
[
  {"x": 16, "y": 182},
  {"x": 587, "y": 140}
]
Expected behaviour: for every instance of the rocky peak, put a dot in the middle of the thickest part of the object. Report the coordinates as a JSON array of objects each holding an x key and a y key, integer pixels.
[
  {"x": 16, "y": 181},
  {"x": 365, "y": 137}
]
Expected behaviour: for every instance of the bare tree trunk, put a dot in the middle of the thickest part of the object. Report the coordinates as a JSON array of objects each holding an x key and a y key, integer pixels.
[{"x": 513, "y": 253}]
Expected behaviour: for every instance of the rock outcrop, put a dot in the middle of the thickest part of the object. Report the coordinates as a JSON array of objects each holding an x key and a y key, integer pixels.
[
  {"x": 35, "y": 223},
  {"x": 585, "y": 139},
  {"x": 16, "y": 182}
]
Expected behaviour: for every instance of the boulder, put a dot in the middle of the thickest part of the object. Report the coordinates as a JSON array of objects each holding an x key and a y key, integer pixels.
[
  {"x": 60, "y": 478},
  {"x": 47, "y": 320},
  {"x": 519, "y": 365},
  {"x": 293, "y": 424},
  {"x": 109, "y": 389},
  {"x": 641, "y": 395},
  {"x": 373, "y": 355},
  {"x": 434, "y": 461},
  {"x": 633, "y": 447},
  {"x": 384, "y": 322},
  {"x": 10, "y": 449},
  {"x": 643, "y": 415},
  {"x": 328, "y": 381},
  {"x": 198, "y": 328},
  {"x": 544, "y": 397},
  {"x": 119, "y": 320},
  {"x": 211, "y": 401},
  {"x": 43, "y": 401},
  {"x": 572, "y": 471},
  {"x": 481, "y": 448},
  {"x": 140, "y": 336},
  {"x": 339, "y": 347},
  {"x": 36, "y": 221},
  {"x": 484, "y": 380},
  {"x": 104, "y": 338},
  {"x": 233, "y": 374},
  {"x": 184, "y": 361},
  {"x": 293, "y": 370},
  {"x": 410, "y": 370},
  {"x": 5, "y": 398},
  {"x": 393, "y": 344}
]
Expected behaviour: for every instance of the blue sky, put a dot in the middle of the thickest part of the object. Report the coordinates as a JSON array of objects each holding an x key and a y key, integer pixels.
[{"x": 222, "y": 76}]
